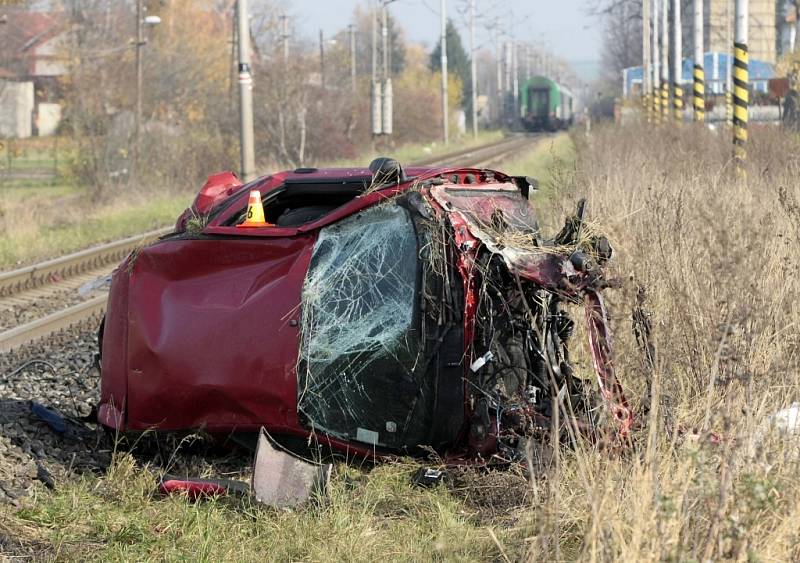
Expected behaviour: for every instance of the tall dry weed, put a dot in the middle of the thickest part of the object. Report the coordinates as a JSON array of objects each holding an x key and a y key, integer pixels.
[{"x": 717, "y": 259}]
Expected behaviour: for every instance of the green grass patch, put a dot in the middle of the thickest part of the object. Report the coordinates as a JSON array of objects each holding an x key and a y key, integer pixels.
[
  {"x": 37, "y": 154},
  {"x": 19, "y": 191},
  {"x": 367, "y": 516},
  {"x": 40, "y": 225},
  {"x": 548, "y": 161}
]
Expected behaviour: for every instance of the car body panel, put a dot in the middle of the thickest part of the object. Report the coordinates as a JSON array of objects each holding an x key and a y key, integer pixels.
[{"x": 214, "y": 326}]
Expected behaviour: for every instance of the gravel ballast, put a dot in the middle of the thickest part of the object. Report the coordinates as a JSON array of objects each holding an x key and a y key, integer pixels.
[{"x": 60, "y": 374}]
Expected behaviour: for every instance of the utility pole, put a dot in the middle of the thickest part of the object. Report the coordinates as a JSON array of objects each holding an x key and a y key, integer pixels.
[
  {"x": 665, "y": 59},
  {"x": 527, "y": 61},
  {"x": 677, "y": 61},
  {"x": 515, "y": 72},
  {"x": 386, "y": 87},
  {"x": 139, "y": 46},
  {"x": 321, "y": 60},
  {"x": 443, "y": 44},
  {"x": 385, "y": 39},
  {"x": 508, "y": 65},
  {"x": 729, "y": 23},
  {"x": 245, "y": 94},
  {"x": 232, "y": 71},
  {"x": 376, "y": 90},
  {"x": 473, "y": 68},
  {"x": 285, "y": 36},
  {"x": 699, "y": 84},
  {"x": 374, "y": 45},
  {"x": 656, "y": 64},
  {"x": 646, "y": 58},
  {"x": 499, "y": 65},
  {"x": 740, "y": 87},
  {"x": 351, "y": 30}
]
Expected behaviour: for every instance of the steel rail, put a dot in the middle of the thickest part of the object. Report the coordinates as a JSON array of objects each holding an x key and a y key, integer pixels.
[
  {"x": 468, "y": 156},
  {"x": 73, "y": 264},
  {"x": 50, "y": 324}
]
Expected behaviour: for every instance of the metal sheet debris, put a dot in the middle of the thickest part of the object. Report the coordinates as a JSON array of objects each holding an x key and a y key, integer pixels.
[{"x": 282, "y": 479}]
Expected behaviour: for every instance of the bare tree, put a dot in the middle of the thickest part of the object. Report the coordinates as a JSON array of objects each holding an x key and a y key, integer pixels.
[{"x": 622, "y": 37}]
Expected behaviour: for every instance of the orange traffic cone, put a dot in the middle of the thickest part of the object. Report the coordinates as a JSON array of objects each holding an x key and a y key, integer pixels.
[{"x": 255, "y": 212}]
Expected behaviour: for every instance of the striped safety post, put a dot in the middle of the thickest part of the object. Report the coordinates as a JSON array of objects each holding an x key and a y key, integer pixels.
[
  {"x": 699, "y": 98},
  {"x": 740, "y": 100},
  {"x": 665, "y": 100},
  {"x": 647, "y": 110},
  {"x": 729, "y": 108},
  {"x": 677, "y": 101},
  {"x": 656, "y": 106}
]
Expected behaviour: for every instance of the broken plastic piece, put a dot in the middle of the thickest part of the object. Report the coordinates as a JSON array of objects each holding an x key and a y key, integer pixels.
[
  {"x": 282, "y": 479},
  {"x": 202, "y": 488},
  {"x": 786, "y": 421},
  {"x": 99, "y": 283},
  {"x": 54, "y": 420},
  {"x": 482, "y": 361},
  {"x": 427, "y": 477}
]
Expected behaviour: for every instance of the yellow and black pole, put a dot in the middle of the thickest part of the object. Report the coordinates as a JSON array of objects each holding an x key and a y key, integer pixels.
[
  {"x": 740, "y": 88},
  {"x": 677, "y": 61},
  {"x": 698, "y": 100}
]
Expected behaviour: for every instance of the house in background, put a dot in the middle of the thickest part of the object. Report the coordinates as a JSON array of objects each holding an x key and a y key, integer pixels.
[{"x": 31, "y": 63}]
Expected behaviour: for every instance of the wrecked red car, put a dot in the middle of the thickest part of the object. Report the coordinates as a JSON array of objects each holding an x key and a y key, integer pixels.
[{"x": 380, "y": 310}]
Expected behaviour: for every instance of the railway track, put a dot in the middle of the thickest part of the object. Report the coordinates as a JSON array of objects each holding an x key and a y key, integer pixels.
[
  {"x": 481, "y": 156},
  {"x": 46, "y": 281},
  {"x": 26, "y": 287}
]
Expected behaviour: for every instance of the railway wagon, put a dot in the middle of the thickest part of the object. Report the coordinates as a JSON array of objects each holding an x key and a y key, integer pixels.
[{"x": 545, "y": 105}]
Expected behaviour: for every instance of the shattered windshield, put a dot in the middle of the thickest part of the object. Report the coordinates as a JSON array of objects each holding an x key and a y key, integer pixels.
[{"x": 359, "y": 375}]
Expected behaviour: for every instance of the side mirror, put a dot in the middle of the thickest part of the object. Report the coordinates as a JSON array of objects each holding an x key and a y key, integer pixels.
[{"x": 386, "y": 171}]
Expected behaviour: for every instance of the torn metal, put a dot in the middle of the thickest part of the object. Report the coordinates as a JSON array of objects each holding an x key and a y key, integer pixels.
[{"x": 282, "y": 479}]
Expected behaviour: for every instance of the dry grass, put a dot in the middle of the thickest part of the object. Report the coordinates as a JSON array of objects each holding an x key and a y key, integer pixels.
[
  {"x": 47, "y": 222},
  {"x": 718, "y": 259}
]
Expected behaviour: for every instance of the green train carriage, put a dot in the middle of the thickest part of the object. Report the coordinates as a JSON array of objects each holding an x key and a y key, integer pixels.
[{"x": 545, "y": 105}]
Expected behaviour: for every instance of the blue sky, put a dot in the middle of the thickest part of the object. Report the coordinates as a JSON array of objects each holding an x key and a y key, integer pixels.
[{"x": 563, "y": 25}]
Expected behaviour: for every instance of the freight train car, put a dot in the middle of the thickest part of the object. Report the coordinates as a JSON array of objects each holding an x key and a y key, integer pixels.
[{"x": 545, "y": 105}]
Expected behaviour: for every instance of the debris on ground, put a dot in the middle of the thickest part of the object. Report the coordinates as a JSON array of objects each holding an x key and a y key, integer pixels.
[
  {"x": 63, "y": 379},
  {"x": 282, "y": 479},
  {"x": 427, "y": 477},
  {"x": 196, "y": 488}
]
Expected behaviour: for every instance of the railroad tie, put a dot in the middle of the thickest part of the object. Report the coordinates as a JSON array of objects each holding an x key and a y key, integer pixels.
[
  {"x": 740, "y": 100},
  {"x": 699, "y": 93}
]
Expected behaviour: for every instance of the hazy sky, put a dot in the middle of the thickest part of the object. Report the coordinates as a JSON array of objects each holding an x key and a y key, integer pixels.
[{"x": 562, "y": 24}]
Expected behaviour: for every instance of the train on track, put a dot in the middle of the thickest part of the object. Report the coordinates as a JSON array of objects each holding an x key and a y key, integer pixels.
[{"x": 546, "y": 105}]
